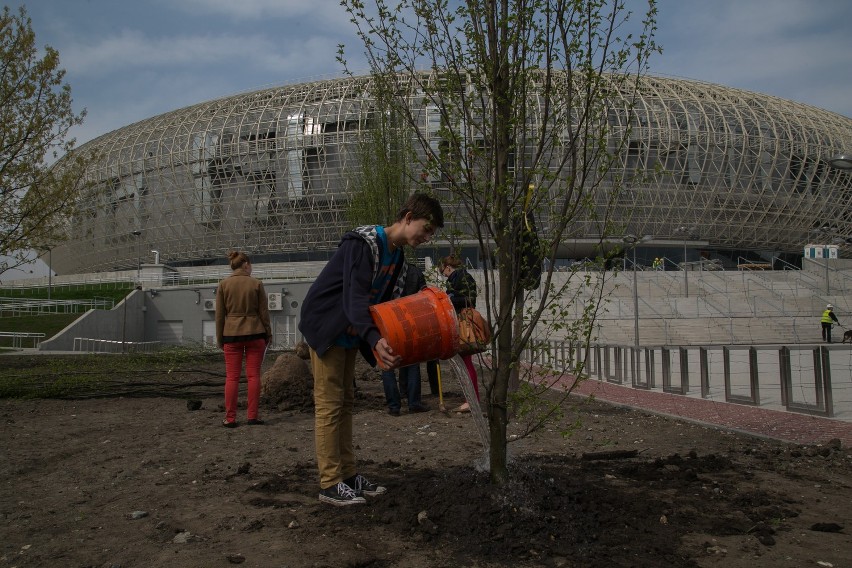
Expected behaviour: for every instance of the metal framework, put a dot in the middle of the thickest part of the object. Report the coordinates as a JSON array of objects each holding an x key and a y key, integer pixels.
[{"x": 270, "y": 172}]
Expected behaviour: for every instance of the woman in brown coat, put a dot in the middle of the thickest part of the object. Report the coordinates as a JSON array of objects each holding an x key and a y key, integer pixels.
[{"x": 242, "y": 331}]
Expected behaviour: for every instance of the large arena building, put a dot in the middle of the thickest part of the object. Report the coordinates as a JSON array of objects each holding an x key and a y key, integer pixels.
[{"x": 270, "y": 172}]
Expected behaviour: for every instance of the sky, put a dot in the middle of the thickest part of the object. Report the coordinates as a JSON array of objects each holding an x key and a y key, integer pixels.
[{"x": 128, "y": 60}]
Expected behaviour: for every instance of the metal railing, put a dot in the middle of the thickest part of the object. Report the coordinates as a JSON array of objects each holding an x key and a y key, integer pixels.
[
  {"x": 13, "y": 307},
  {"x": 777, "y": 260},
  {"x": 92, "y": 345},
  {"x": 839, "y": 281},
  {"x": 17, "y": 338},
  {"x": 808, "y": 379},
  {"x": 162, "y": 278}
]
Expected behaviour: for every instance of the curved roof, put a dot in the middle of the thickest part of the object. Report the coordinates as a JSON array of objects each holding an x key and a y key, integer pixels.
[{"x": 271, "y": 170}]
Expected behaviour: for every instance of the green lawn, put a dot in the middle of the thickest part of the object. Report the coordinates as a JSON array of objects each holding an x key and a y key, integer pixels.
[
  {"x": 114, "y": 291},
  {"x": 51, "y": 323},
  {"x": 48, "y": 324},
  {"x": 172, "y": 371}
]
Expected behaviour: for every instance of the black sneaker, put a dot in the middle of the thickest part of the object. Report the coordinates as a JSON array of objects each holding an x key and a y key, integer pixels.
[
  {"x": 341, "y": 495},
  {"x": 393, "y": 411},
  {"x": 363, "y": 487}
]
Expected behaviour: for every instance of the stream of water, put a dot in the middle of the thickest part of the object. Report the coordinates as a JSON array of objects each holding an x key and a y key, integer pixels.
[{"x": 460, "y": 371}]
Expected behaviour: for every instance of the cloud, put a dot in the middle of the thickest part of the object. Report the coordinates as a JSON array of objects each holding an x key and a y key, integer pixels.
[
  {"x": 785, "y": 48},
  {"x": 133, "y": 49},
  {"x": 130, "y": 52},
  {"x": 130, "y": 61},
  {"x": 289, "y": 11}
]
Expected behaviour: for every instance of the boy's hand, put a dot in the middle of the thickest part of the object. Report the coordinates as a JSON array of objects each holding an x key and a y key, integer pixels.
[{"x": 386, "y": 355}]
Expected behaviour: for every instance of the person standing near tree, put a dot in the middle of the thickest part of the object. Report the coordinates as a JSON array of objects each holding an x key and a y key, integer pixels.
[
  {"x": 461, "y": 288},
  {"x": 367, "y": 268},
  {"x": 243, "y": 331}
]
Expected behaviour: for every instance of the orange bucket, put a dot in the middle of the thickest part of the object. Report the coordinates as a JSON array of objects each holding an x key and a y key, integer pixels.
[{"x": 420, "y": 327}]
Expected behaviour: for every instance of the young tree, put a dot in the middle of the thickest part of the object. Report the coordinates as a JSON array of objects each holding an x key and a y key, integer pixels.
[
  {"x": 35, "y": 118},
  {"x": 530, "y": 97},
  {"x": 378, "y": 191}
]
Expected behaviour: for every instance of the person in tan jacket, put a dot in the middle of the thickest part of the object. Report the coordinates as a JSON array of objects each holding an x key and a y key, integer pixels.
[{"x": 242, "y": 332}]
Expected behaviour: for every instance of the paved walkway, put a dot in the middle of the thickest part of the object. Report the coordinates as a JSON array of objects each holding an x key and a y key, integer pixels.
[{"x": 780, "y": 425}]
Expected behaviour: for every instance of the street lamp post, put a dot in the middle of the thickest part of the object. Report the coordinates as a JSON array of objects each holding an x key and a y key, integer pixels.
[
  {"x": 843, "y": 162},
  {"x": 635, "y": 302},
  {"x": 137, "y": 233},
  {"x": 686, "y": 232},
  {"x": 826, "y": 254},
  {"x": 631, "y": 240},
  {"x": 685, "y": 271},
  {"x": 49, "y": 271},
  {"x": 822, "y": 235},
  {"x": 49, "y": 249}
]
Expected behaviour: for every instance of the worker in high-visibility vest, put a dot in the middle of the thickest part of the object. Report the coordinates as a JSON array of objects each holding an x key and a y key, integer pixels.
[{"x": 828, "y": 319}]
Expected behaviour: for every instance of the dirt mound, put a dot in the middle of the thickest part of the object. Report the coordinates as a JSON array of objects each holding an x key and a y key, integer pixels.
[{"x": 288, "y": 384}]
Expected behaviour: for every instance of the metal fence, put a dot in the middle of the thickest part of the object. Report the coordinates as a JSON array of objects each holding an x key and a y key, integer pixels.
[
  {"x": 91, "y": 345},
  {"x": 13, "y": 307},
  {"x": 809, "y": 379},
  {"x": 16, "y": 339}
]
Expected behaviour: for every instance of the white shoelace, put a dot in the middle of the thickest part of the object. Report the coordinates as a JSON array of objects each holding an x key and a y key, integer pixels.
[
  {"x": 345, "y": 491},
  {"x": 359, "y": 483}
]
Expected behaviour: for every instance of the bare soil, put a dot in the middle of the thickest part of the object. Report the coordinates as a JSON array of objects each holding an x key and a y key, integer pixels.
[{"x": 142, "y": 478}]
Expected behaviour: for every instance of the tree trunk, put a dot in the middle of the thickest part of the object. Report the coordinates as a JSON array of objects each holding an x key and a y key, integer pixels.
[{"x": 497, "y": 418}]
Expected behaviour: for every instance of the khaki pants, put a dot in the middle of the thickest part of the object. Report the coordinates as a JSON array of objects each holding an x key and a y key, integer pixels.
[{"x": 334, "y": 400}]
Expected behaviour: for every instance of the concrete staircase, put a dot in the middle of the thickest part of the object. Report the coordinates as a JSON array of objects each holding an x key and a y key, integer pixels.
[
  {"x": 711, "y": 307},
  {"x": 724, "y": 307}
]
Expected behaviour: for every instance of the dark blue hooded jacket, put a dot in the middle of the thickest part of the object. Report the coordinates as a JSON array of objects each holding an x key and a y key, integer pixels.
[{"x": 340, "y": 296}]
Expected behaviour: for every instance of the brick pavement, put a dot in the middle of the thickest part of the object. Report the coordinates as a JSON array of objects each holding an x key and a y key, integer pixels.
[{"x": 780, "y": 425}]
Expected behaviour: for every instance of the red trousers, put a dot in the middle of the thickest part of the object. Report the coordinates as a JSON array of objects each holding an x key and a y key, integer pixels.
[
  {"x": 253, "y": 352},
  {"x": 471, "y": 372}
]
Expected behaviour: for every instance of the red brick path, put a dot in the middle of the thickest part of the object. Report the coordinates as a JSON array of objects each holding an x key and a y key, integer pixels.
[{"x": 781, "y": 425}]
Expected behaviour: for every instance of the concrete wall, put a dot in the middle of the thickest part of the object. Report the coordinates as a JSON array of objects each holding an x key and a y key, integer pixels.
[
  {"x": 125, "y": 322},
  {"x": 178, "y": 315},
  {"x": 187, "y": 314}
]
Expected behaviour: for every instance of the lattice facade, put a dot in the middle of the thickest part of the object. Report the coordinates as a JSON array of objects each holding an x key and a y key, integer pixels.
[{"x": 270, "y": 172}]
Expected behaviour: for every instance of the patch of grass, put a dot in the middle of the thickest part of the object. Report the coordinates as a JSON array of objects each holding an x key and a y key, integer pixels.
[
  {"x": 114, "y": 291},
  {"x": 62, "y": 386},
  {"x": 172, "y": 358},
  {"x": 40, "y": 376},
  {"x": 67, "y": 376},
  {"x": 48, "y": 324}
]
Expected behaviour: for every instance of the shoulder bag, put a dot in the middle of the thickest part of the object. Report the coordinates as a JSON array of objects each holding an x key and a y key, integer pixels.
[{"x": 474, "y": 332}]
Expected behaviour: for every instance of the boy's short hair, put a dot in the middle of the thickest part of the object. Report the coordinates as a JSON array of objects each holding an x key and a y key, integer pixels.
[{"x": 422, "y": 206}]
